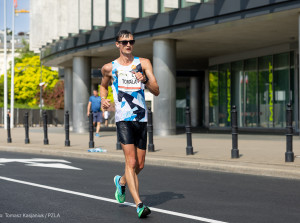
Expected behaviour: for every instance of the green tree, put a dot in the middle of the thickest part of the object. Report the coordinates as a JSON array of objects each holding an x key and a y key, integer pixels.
[
  {"x": 27, "y": 78},
  {"x": 28, "y": 72}
]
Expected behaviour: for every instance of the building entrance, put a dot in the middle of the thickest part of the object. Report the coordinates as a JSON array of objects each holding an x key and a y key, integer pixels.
[{"x": 260, "y": 88}]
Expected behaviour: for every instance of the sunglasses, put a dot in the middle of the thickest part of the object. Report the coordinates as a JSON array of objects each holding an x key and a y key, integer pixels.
[{"x": 125, "y": 42}]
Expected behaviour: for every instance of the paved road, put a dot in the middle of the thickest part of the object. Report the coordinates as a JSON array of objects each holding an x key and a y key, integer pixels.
[{"x": 30, "y": 193}]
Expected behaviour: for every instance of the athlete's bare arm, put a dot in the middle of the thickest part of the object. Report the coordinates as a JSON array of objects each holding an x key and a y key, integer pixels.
[
  {"x": 148, "y": 70},
  {"x": 106, "y": 79}
]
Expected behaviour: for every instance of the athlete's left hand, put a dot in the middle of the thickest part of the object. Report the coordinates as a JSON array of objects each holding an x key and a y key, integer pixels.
[
  {"x": 140, "y": 77},
  {"x": 105, "y": 103}
]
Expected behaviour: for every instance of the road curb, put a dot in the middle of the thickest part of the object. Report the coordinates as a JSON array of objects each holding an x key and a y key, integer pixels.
[{"x": 280, "y": 171}]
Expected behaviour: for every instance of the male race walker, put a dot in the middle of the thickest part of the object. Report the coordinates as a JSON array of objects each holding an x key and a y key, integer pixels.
[{"x": 129, "y": 76}]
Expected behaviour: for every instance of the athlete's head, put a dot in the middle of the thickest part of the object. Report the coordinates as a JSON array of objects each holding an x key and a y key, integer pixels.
[
  {"x": 125, "y": 41},
  {"x": 123, "y": 33}
]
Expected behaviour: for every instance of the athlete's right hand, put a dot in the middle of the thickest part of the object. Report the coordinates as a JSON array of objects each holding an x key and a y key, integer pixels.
[{"x": 105, "y": 103}]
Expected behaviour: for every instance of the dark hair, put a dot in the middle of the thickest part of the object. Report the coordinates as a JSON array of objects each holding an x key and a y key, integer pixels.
[{"x": 121, "y": 33}]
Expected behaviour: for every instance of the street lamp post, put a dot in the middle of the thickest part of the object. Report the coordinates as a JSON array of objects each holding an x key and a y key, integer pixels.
[{"x": 12, "y": 95}]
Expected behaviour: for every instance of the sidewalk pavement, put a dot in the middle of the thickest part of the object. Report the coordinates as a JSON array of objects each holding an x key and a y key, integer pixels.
[{"x": 260, "y": 154}]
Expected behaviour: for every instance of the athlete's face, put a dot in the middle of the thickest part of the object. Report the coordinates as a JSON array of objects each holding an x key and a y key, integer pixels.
[{"x": 125, "y": 44}]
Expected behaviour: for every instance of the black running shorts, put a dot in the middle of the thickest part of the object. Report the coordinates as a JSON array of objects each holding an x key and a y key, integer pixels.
[{"x": 130, "y": 132}]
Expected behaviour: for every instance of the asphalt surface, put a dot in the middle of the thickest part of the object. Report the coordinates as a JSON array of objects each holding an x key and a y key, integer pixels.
[{"x": 190, "y": 195}]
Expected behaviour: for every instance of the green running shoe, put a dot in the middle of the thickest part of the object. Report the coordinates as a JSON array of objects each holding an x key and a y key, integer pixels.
[
  {"x": 143, "y": 210},
  {"x": 120, "y": 191}
]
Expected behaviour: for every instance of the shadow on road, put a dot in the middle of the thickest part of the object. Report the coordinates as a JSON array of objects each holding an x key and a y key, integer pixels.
[{"x": 156, "y": 199}]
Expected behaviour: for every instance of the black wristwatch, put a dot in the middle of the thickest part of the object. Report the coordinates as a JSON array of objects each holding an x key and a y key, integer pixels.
[{"x": 146, "y": 81}]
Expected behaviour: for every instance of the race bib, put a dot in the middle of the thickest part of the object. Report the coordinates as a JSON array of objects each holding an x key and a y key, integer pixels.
[{"x": 127, "y": 81}]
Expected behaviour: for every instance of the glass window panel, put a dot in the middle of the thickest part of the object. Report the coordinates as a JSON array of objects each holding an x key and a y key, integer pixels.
[
  {"x": 181, "y": 101},
  {"x": 281, "y": 88},
  {"x": 238, "y": 90},
  {"x": 250, "y": 93},
  {"x": 224, "y": 95},
  {"x": 261, "y": 88},
  {"x": 292, "y": 85},
  {"x": 265, "y": 92},
  {"x": 213, "y": 96},
  {"x": 292, "y": 75}
]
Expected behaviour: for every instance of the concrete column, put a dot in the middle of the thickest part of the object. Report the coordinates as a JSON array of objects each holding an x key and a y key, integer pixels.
[
  {"x": 164, "y": 67},
  {"x": 68, "y": 98},
  {"x": 81, "y": 92},
  {"x": 194, "y": 101}
]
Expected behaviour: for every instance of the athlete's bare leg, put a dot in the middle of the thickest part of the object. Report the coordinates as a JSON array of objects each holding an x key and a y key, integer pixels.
[
  {"x": 134, "y": 163},
  {"x": 140, "y": 155}
]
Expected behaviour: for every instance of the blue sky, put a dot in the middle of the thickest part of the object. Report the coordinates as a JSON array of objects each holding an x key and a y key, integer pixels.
[{"x": 21, "y": 21}]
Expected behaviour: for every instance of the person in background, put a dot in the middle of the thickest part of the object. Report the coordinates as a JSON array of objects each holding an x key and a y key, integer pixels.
[{"x": 94, "y": 105}]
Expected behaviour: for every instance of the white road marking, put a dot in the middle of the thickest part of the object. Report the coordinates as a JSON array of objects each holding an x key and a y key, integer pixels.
[
  {"x": 5, "y": 160},
  {"x": 111, "y": 200},
  {"x": 50, "y": 163},
  {"x": 54, "y": 165}
]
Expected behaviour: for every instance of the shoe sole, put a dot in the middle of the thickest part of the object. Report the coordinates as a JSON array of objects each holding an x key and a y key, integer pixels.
[{"x": 146, "y": 212}]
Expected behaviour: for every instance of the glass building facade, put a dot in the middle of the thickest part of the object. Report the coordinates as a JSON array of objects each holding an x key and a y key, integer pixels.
[{"x": 260, "y": 88}]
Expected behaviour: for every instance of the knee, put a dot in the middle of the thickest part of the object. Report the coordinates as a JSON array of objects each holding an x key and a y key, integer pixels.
[{"x": 131, "y": 163}]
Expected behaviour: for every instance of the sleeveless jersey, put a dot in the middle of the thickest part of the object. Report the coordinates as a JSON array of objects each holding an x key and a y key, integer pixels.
[{"x": 128, "y": 92}]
